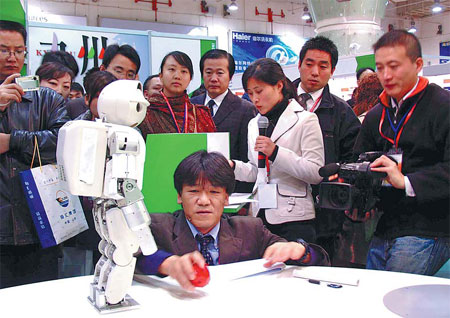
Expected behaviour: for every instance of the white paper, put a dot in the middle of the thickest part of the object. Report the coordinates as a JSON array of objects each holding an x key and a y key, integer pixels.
[
  {"x": 239, "y": 198},
  {"x": 267, "y": 195},
  {"x": 322, "y": 274}
]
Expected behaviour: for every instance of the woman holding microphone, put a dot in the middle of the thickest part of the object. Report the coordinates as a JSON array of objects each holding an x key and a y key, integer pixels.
[{"x": 292, "y": 150}]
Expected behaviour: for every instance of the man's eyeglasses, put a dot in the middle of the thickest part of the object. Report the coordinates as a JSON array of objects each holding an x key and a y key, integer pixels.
[{"x": 19, "y": 53}]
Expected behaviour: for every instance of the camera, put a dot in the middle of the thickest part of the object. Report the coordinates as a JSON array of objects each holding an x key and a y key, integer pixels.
[
  {"x": 28, "y": 83},
  {"x": 360, "y": 186}
]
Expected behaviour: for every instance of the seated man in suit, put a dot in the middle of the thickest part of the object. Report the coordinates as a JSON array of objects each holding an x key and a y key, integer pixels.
[
  {"x": 230, "y": 113},
  {"x": 200, "y": 233}
]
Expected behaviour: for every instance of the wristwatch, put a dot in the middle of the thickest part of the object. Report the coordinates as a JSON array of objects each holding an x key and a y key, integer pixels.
[{"x": 307, "y": 254}]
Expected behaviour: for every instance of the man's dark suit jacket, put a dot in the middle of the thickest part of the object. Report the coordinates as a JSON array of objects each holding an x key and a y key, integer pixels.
[
  {"x": 241, "y": 238},
  {"x": 233, "y": 116}
]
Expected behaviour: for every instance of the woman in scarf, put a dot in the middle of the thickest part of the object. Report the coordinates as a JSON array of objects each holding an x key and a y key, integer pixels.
[{"x": 170, "y": 111}]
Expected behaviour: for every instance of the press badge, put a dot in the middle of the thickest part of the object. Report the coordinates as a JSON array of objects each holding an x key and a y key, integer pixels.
[
  {"x": 267, "y": 195},
  {"x": 397, "y": 156}
]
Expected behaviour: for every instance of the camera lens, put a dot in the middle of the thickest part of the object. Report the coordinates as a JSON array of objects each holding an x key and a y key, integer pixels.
[{"x": 339, "y": 196}]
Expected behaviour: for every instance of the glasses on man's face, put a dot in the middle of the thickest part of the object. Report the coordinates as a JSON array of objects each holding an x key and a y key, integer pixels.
[{"x": 18, "y": 53}]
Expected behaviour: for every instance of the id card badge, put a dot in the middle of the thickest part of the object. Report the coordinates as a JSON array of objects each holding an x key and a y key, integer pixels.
[
  {"x": 267, "y": 195},
  {"x": 397, "y": 155}
]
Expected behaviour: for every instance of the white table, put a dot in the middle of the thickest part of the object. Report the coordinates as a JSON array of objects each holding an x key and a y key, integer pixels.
[{"x": 271, "y": 295}]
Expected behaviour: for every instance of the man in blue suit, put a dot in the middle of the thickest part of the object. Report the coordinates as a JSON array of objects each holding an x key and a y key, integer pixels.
[{"x": 230, "y": 113}]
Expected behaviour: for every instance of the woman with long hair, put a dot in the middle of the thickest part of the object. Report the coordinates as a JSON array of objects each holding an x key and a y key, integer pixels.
[
  {"x": 170, "y": 110},
  {"x": 292, "y": 150}
]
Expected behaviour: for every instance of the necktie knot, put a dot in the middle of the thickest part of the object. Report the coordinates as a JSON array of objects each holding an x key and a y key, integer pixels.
[
  {"x": 204, "y": 241},
  {"x": 303, "y": 99},
  {"x": 211, "y": 104}
]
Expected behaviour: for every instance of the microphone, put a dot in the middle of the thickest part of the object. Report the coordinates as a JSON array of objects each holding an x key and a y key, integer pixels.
[
  {"x": 329, "y": 170},
  {"x": 263, "y": 123}
]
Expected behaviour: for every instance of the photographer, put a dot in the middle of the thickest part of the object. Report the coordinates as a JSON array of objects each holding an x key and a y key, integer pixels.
[
  {"x": 411, "y": 121},
  {"x": 25, "y": 117}
]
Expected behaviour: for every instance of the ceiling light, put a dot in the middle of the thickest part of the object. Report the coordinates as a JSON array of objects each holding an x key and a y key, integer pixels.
[
  {"x": 412, "y": 29},
  {"x": 233, "y": 6},
  {"x": 306, "y": 15},
  {"x": 436, "y": 7}
]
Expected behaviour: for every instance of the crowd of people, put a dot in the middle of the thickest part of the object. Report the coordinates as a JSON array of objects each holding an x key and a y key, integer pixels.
[{"x": 395, "y": 111}]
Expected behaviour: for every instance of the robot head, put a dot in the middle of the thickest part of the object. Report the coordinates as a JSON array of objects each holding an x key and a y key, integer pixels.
[{"x": 122, "y": 103}]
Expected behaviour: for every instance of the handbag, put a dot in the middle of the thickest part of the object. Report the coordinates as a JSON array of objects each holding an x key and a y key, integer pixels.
[{"x": 57, "y": 214}]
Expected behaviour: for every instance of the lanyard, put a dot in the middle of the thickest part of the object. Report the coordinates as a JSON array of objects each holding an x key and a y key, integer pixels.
[
  {"x": 397, "y": 130},
  {"x": 173, "y": 115},
  {"x": 315, "y": 104},
  {"x": 266, "y": 159}
]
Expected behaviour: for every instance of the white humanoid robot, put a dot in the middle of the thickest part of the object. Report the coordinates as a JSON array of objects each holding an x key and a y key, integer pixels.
[{"x": 104, "y": 159}]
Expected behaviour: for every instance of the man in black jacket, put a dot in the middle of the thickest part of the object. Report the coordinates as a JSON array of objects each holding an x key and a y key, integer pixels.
[
  {"x": 230, "y": 113},
  {"x": 25, "y": 118},
  {"x": 412, "y": 122},
  {"x": 339, "y": 124}
]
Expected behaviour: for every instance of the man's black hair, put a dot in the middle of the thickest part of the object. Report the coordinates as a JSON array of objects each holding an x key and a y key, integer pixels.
[
  {"x": 147, "y": 81},
  {"x": 125, "y": 50},
  {"x": 203, "y": 166},
  {"x": 6, "y": 25},
  {"x": 321, "y": 43},
  {"x": 77, "y": 87},
  {"x": 219, "y": 54},
  {"x": 61, "y": 57},
  {"x": 96, "y": 80},
  {"x": 362, "y": 70},
  {"x": 400, "y": 38},
  {"x": 86, "y": 81}
]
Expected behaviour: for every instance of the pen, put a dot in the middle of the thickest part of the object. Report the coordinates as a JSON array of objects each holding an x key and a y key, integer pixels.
[{"x": 314, "y": 281}]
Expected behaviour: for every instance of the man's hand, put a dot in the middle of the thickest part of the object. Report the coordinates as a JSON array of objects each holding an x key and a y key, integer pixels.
[
  {"x": 181, "y": 269},
  {"x": 10, "y": 91},
  {"x": 4, "y": 142},
  {"x": 265, "y": 145},
  {"x": 283, "y": 251},
  {"x": 354, "y": 215},
  {"x": 394, "y": 175}
]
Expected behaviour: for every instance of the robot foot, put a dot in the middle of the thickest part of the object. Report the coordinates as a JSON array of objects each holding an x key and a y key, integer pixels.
[{"x": 97, "y": 299}]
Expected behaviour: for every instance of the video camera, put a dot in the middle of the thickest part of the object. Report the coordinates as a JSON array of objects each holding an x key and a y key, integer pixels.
[{"x": 359, "y": 188}]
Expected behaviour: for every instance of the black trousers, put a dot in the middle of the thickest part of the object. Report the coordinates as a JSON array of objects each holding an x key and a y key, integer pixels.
[
  {"x": 291, "y": 231},
  {"x": 25, "y": 264}
]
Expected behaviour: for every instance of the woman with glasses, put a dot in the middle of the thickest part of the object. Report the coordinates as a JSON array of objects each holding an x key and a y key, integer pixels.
[{"x": 170, "y": 110}]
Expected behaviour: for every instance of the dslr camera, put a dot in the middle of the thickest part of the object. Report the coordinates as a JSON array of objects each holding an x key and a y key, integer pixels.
[{"x": 360, "y": 186}]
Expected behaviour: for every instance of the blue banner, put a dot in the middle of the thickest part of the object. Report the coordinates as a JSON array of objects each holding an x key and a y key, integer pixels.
[
  {"x": 444, "y": 50},
  {"x": 248, "y": 47},
  {"x": 38, "y": 214}
]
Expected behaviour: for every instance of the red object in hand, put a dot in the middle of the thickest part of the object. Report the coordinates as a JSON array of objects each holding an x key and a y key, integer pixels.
[{"x": 201, "y": 276}]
